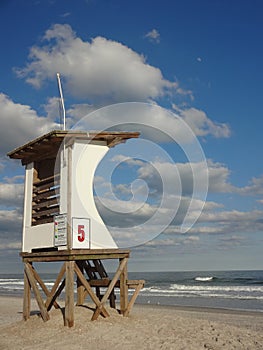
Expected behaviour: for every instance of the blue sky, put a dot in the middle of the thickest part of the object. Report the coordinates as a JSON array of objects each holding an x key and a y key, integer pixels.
[{"x": 201, "y": 60}]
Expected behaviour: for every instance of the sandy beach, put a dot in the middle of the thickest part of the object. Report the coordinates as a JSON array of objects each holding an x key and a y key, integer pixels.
[{"x": 147, "y": 327}]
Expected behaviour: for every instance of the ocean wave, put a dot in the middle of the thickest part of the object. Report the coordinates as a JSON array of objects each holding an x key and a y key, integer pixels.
[
  {"x": 204, "y": 279},
  {"x": 251, "y": 288},
  {"x": 204, "y": 290}
]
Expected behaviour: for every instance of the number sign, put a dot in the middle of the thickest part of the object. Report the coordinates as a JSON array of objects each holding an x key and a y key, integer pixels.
[{"x": 80, "y": 233}]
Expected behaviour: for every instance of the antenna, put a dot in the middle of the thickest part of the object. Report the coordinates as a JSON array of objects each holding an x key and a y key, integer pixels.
[{"x": 61, "y": 101}]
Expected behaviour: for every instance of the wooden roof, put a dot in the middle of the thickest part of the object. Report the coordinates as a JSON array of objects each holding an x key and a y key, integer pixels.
[{"x": 47, "y": 146}]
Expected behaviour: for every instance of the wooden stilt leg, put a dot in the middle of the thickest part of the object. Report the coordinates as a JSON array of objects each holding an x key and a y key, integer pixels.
[
  {"x": 56, "y": 289},
  {"x": 100, "y": 307},
  {"x": 69, "y": 298},
  {"x": 122, "y": 266},
  {"x": 133, "y": 298},
  {"x": 26, "y": 300},
  {"x": 123, "y": 290},
  {"x": 30, "y": 276},
  {"x": 80, "y": 287},
  {"x": 112, "y": 299}
]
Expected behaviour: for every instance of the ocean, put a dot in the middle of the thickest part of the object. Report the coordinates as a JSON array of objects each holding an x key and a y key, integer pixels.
[{"x": 238, "y": 290}]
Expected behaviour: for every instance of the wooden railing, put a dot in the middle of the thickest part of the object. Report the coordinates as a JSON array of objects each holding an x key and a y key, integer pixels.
[{"x": 45, "y": 200}]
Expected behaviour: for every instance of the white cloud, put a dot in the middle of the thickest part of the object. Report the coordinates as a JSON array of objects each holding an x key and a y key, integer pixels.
[
  {"x": 11, "y": 194},
  {"x": 153, "y": 36},
  {"x": 229, "y": 222},
  {"x": 66, "y": 14},
  {"x": 218, "y": 174},
  {"x": 11, "y": 222},
  {"x": 219, "y": 178},
  {"x": 201, "y": 124},
  {"x": 213, "y": 220},
  {"x": 7, "y": 245},
  {"x": 100, "y": 69},
  {"x": 255, "y": 187},
  {"x": 19, "y": 124},
  {"x": 2, "y": 165}
]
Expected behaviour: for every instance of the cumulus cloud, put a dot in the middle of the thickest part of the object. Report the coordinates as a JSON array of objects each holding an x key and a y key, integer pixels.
[
  {"x": 154, "y": 174},
  {"x": 219, "y": 174},
  {"x": 223, "y": 222},
  {"x": 201, "y": 124},
  {"x": 100, "y": 69},
  {"x": 255, "y": 187},
  {"x": 153, "y": 36},
  {"x": 10, "y": 229},
  {"x": 2, "y": 165},
  {"x": 105, "y": 71},
  {"x": 11, "y": 194},
  {"x": 10, "y": 223},
  {"x": 214, "y": 218},
  {"x": 19, "y": 124}
]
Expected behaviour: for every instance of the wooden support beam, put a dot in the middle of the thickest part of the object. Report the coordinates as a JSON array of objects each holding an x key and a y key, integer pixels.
[
  {"x": 55, "y": 291},
  {"x": 41, "y": 305},
  {"x": 123, "y": 290},
  {"x": 75, "y": 254},
  {"x": 94, "y": 298},
  {"x": 122, "y": 265},
  {"x": 133, "y": 298},
  {"x": 80, "y": 287},
  {"x": 43, "y": 286},
  {"x": 27, "y": 297},
  {"x": 69, "y": 297}
]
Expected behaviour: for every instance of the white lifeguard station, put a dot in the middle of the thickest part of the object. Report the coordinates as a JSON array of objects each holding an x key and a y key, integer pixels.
[{"x": 61, "y": 221}]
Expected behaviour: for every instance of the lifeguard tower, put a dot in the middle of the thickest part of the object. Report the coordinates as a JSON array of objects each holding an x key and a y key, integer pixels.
[{"x": 61, "y": 223}]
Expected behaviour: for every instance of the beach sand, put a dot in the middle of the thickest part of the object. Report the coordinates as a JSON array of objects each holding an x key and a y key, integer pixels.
[{"x": 147, "y": 327}]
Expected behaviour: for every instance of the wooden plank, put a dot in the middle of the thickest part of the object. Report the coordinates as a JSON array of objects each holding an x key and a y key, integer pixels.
[
  {"x": 45, "y": 212},
  {"x": 48, "y": 145},
  {"x": 43, "y": 286},
  {"x": 53, "y": 293},
  {"x": 133, "y": 298},
  {"x": 55, "y": 177},
  {"x": 115, "y": 141},
  {"x": 42, "y": 308},
  {"x": 46, "y": 186},
  {"x": 122, "y": 265},
  {"x": 37, "y": 191},
  {"x": 132, "y": 284},
  {"x": 45, "y": 195},
  {"x": 104, "y": 282},
  {"x": 94, "y": 298},
  {"x": 69, "y": 297},
  {"x": 123, "y": 289},
  {"x": 90, "y": 270},
  {"x": 57, "y": 293},
  {"x": 38, "y": 156},
  {"x": 27, "y": 299},
  {"x": 74, "y": 254},
  {"x": 104, "y": 251},
  {"x": 45, "y": 203},
  {"x": 42, "y": 220},
  {"x": 80, "y": 287},
  {"x": 49, "y": 258}
]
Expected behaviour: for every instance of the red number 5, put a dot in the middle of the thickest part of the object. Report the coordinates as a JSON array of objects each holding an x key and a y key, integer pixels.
[{"x": 81, "y": 233}]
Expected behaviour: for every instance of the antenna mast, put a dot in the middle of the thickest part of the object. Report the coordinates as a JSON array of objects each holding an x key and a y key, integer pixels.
[{"x": 61, "y": 101}]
